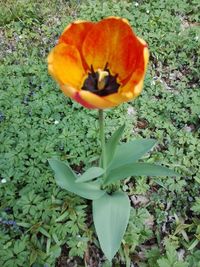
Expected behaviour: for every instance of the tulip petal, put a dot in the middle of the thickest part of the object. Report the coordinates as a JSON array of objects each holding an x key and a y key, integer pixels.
[
  {"x": 95, "y": 100},
  {"x": 95, "y": 48},
  {"x": 112, "y": 40},
  {"x": 135, "y": 83},
  {"x": 65, "y": 65},
  {"x": 75, "y": 33},
  {"x": 68, "y": 90},
  {"x": 74, "y": 94},
  {"x": 117, "y": 98}
]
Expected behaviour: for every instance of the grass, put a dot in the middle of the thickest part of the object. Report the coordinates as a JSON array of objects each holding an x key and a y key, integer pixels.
[{"x": 42, "y": 225}]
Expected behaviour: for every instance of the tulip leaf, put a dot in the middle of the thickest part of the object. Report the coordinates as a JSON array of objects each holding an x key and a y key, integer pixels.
[
  {"x": 112, "y": 143},
  {"x": 66, "y": 178},
  {"x": 90, "y": 174},
  {"x": 131, "y": 152},
  {"x": 111, "y": 214},
  {"x": 138, "y": 169}
]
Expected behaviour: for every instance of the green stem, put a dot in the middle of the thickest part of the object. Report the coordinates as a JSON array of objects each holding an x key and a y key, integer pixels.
[{"x": 102, "y": 137}]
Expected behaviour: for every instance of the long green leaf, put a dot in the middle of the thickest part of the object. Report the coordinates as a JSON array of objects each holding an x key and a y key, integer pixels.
[
  {"x": 112, "y": 143},
  {"x": 66, "y": 178},
  {"x": 111, "y": 214},
  {"x": 131, "y": 152},
  {"x": 137, "y": 169},
  {"x": 90, "y": 174}
]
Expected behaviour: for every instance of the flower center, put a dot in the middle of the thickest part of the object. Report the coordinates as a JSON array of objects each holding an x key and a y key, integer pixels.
[{"x": 101, "y": 82}]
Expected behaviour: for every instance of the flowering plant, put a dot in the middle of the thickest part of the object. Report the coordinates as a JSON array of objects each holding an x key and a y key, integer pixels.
[{"x": 101, "y": 65}]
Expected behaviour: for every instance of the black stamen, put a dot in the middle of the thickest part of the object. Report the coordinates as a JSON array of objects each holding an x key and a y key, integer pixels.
[
  {"x": 106, "y": 66},
  {"x": 92, "y": 69}
]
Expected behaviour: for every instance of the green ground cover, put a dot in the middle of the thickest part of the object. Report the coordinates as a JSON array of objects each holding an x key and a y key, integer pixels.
[{"x": 41, "y": 225}]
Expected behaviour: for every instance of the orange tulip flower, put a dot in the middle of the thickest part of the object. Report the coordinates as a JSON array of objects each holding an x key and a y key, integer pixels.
[{"x": 100, "y": 65}]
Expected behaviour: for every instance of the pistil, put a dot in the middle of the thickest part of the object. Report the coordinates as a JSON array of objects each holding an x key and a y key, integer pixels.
[{"x": 102, "y": 78}]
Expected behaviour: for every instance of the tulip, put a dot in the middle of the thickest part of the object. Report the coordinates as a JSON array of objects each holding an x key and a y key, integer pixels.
[{"x": 99, "y": 65}]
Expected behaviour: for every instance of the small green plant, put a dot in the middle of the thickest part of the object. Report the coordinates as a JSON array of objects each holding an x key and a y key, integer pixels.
[{"x": 171, "y": 258}]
